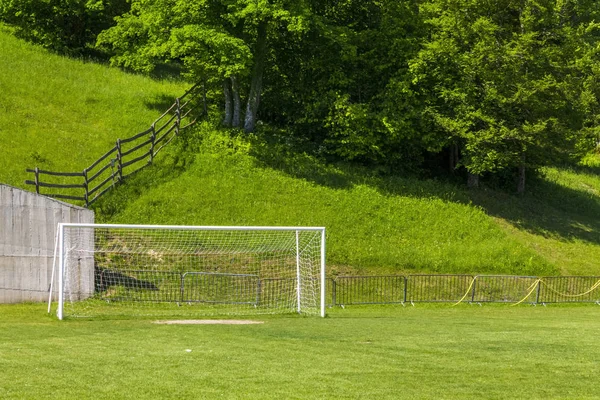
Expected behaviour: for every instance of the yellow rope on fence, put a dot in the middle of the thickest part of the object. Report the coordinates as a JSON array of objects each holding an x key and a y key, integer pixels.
[
  {"x": 467, "y": 293},
  {"x": 594, "y": 287},
  {"x": 531, "y": 289}
]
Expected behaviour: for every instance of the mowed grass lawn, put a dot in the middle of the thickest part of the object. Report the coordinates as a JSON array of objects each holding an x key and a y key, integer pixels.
[{"x": 377, "y": 352}]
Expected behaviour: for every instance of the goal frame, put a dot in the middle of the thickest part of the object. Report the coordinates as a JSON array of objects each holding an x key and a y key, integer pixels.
[{"x": 60, "y": 249}]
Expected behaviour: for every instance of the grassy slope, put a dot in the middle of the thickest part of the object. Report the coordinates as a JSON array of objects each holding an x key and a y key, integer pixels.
[
  {"x": 557, "y": 219},
  {"x": 62, "y": 114},
  {"x": 374, "y": 225}
]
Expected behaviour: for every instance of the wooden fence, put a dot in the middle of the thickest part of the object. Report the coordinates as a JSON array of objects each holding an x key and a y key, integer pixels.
[{"x": 127, "y": 156}]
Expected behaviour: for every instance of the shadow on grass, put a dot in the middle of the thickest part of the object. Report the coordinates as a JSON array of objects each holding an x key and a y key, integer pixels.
[
  {"x": 587, "y": 169},
  {"x": 288, "y": 156},
  {"x": 170, "y": 166},
  {"x": 167, "y": 71},
  {"x": 547, "y": 209},
  {"x": 159, "y": 103}
]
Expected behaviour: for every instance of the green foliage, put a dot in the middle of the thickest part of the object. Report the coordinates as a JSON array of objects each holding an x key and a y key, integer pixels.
[
  {"x": 65, "y": 26},
  {"x": 504, "y": 81},
  {"x": 508, "y": 83},
  {"x": 216, "y": 41},
  {"x": 212, "y": 38},
  {"x": 194, "y": 33},
  {"x": 338, "y": 93},
  {"x": 352, "y": 132}
]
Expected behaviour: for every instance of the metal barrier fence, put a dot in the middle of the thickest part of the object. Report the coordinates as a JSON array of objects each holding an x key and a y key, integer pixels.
[
  {"x": 153, "y": 286},
  {"x": 394, "y": 289}
]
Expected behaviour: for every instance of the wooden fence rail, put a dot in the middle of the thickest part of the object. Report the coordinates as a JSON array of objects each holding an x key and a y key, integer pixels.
[{"x": 126, "y": 157}]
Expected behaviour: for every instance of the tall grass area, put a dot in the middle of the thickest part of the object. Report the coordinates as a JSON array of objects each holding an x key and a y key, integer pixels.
[
  {"x": 425, "y": 352},
  {"x": 61, "y": 114},
  {"x": 374, "y": 224}
]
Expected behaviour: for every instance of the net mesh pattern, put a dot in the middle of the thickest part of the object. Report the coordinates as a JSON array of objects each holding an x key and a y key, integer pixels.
[{"x": 160, "y": 271}]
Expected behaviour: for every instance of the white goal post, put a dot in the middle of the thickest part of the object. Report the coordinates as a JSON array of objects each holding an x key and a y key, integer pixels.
[{"x": 171, "y": 270}]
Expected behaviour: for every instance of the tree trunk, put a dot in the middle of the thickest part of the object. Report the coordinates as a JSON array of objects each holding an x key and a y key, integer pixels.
[
  {"x": 257, "y": 77},
  {"x": 473, "y": 181},
  {"x": 453, "y": 157},
  {"x": 521, "y": 181},
  {"x": 204, "y": 105},
  {"x": 237, "y": 103},
  {"x": 228, "y": 109}
]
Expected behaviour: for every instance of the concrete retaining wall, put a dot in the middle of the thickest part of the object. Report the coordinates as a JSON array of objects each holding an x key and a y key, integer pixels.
[{"x": 28, "y": 225}]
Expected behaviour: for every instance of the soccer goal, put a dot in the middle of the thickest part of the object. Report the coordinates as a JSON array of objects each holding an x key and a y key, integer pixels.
[{"x": 189, "y": 270}]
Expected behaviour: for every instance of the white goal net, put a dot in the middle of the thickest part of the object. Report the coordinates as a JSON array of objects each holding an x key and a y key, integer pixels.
[{"x": 189, "y": 270}]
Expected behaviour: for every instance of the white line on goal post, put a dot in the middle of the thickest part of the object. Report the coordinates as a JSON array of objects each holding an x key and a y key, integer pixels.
[
  {"x": 323, "y": 282},
  {"x": 61, "y": 270},
  {"x": 197, "y": 227},
  {"x": 298, "y": 281}
]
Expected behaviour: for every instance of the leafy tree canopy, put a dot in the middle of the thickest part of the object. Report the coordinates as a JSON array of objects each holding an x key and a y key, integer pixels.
[{"x": 493, "y": 86}]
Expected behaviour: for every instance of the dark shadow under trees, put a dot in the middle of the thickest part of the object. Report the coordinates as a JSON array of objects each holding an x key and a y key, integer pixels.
[{"x": 547, "y": 209}]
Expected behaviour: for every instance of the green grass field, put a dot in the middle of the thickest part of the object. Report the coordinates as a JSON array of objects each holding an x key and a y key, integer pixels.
[
  {"x": 375, "y": 224},
  {"x": 384, "y": 352}
]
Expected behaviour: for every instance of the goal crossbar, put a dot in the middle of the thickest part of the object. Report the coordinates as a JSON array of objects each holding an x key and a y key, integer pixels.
[{"x": 193, "y": 227}]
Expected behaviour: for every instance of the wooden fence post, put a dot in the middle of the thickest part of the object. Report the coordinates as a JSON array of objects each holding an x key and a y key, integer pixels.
[
  {"x": 178, "y": 111},
  {"x": 153, "y": 138},
  {"x": 119, "y": 160},
  {"x": 85, "y": 187},
  {"x": 37, "y": 180}
]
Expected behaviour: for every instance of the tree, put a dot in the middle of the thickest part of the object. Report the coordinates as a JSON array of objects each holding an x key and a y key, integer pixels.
[
  {"x": 373, "y": 119},
  {"x": 337, "y": 86},
  {"x": 224, "y": 40},
  {"x": 502, "y": 81},
  {"x": 65, "y": 26}
]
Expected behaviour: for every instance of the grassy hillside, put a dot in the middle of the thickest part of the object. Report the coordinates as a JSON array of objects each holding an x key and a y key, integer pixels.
[
  {"x": 374, "y": 224},
  {"x": 61, "y": 114},
  {"x": 558, "y": 218}
]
